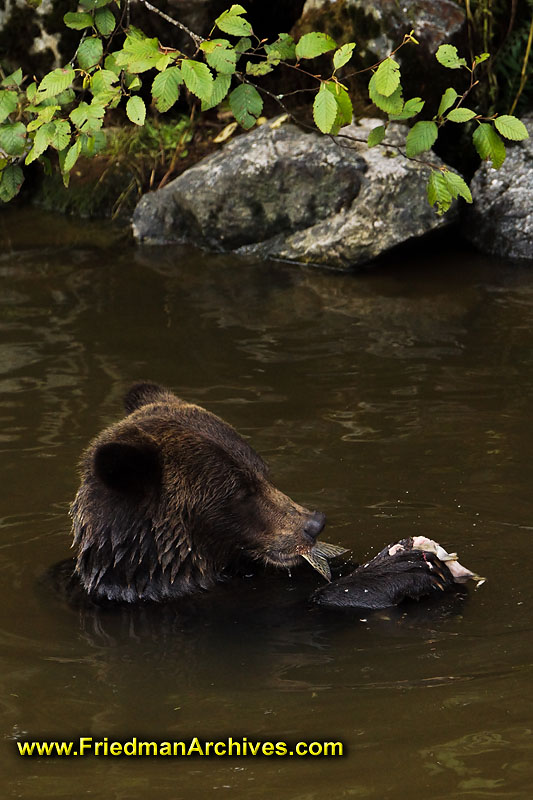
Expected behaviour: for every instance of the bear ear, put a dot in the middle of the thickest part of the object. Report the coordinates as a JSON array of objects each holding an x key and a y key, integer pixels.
[
  {"x": 140, "y": 394},
  {"x": 130, "y": 464}
]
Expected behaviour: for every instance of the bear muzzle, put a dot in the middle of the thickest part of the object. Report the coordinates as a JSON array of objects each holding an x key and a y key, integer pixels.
[
  {"x": 314, "y": 525},
  {"x": 294, "y": 535}
]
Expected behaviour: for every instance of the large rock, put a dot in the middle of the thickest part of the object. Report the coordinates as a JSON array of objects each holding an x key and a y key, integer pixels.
[
  {"x": 500, "y": 221},
  {"x": 280, "y": 193},
  {"x": 34, "y": 37}
]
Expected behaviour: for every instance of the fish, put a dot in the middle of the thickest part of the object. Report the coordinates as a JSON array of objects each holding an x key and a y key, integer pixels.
[
  {"x": 318, "y": 557},
  {"x": 460, "y": 574}
]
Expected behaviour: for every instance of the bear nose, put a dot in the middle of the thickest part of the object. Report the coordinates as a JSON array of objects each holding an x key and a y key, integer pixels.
[{"x": 315, "y": 524}]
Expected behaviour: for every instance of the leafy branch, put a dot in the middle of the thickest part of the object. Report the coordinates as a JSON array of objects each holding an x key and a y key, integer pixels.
[{"x": 64, "y": 113}]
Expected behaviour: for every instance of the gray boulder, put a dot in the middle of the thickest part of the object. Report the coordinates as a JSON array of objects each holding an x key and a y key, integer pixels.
[
  {"x": 279, "y": 193},
  {"x": 500, "y": 222}
]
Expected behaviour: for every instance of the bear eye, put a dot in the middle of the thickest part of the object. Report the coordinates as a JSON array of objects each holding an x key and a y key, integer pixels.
[{"x": 244, "y": 493}]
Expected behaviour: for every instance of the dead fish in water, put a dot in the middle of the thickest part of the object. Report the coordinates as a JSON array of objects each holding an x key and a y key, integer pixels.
[
  {"x": 410, "y": 568},
  {"x": 460, "y": 574},
  {"x": 319, "y": 555}
]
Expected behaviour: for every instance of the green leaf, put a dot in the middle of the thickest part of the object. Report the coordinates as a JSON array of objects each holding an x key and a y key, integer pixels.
[
  {"x": 284, "y": 45},
  {"x": 63, "y": 98},
  {"x": 208, "y": 45},
  {"x": 54, "y": 83},
  {"x": 447, "y": 100},
  {"x": 102, "y": 81},
  {"x": 243, "y": 45},
  {"x": 344, "y": 104},
  {"x": 60, "y": 137},
  {"x": 80, "y": 114},
  {"x": 166, "y": 88},
  {"x": 132, "y": 82},
  {"x": 15, "y": 79},
  {"x": 11, "y": 180},
  {"x": 456, "y": 185},
  {"x": 325, "y": 109},
  {"x": 43, "y": 138},
  {"x": 438, "y": 192},
  {"x": 460, "y": 114},
  {"x": 78, "y": 20},
  {"x": 312, "y": 45},
  {"x": 231, "y": 21},
  {"x": 387, "y": 77},
  {"x": 90, "y": 52},
  {"x": 220, "y": 89},
  {"x": 111, "y": 64},
  {"x": 105, "y": 21},
  {"x": 46, "y": 114},
  {"x": 139, "y": 53},
  {"x": 263, "y": 68},
  {"x": 162, "y": 63},
  {"x": 13, "y": 138},
  {"x": 220, "y": 55},
  {"x": 72, "y": 156},
  {"x": 8, "y": 103},
  {"x": 481, "y": 58},
  {"x": 489, "y": 145},
  {"x": 410, "y": 109},
  {"x": 109, "y": 98},
  {"x": 421, "y": 137},
  {"x": 102, "y": 87},
  {"x": 93, "y": 144},
  {"x": 136, "y": 110},
  {"x": 511, "y": 128},
  {"x": 448, "y": 56},
  {"x": 343, "y": 55},
  {"x": 198, "y": 78},
  {"x": 88, "y": 118},
  {"x": 273, "y": 58},
  {"x": 392, "y": 104},
  {"x": 246, "y": 104},
  {"x": 376, "y": 135},
  {"x": 55, "y": 134}
]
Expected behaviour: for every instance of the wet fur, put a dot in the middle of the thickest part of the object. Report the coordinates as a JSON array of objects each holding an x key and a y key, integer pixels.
[{"x": 172, "y": 500}]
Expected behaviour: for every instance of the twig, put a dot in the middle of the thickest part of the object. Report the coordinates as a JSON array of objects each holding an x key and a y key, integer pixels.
[
  {"x": 194, "y": 36},
  {"x": 381, "y": 144}
]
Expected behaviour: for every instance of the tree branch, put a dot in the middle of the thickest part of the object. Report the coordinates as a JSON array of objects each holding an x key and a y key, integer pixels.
[{"x": 194, "y": 36}]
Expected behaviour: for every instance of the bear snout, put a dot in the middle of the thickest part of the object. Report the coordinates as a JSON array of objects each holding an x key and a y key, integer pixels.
[{"x": 314, "y": 525}]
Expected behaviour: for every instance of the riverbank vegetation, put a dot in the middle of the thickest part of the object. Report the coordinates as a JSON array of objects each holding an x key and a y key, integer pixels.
[{"x": 231, "y": 78}]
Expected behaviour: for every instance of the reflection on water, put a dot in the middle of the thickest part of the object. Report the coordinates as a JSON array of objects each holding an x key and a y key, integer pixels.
[{"x": 397, "y": 401}]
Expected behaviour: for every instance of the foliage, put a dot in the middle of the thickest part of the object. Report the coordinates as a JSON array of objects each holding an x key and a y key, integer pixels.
[
  {"x": 444, "y": 185},
  {"x": 505, "y": 29},
  {"x": 64, "y": 113}
]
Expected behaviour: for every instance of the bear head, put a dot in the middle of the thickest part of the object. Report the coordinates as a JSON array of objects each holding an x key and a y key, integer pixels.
[{"x": 172, "y": 499}]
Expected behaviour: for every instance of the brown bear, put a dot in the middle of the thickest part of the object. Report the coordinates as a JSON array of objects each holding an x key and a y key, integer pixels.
[{"x": 172, "y": 500}]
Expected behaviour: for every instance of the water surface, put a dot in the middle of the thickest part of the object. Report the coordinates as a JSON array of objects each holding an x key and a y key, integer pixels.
[{"x": 397, "y": 401}]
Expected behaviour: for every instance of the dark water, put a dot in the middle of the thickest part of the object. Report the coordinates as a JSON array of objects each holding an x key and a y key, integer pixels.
[{"x": 399, "y": 402}]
